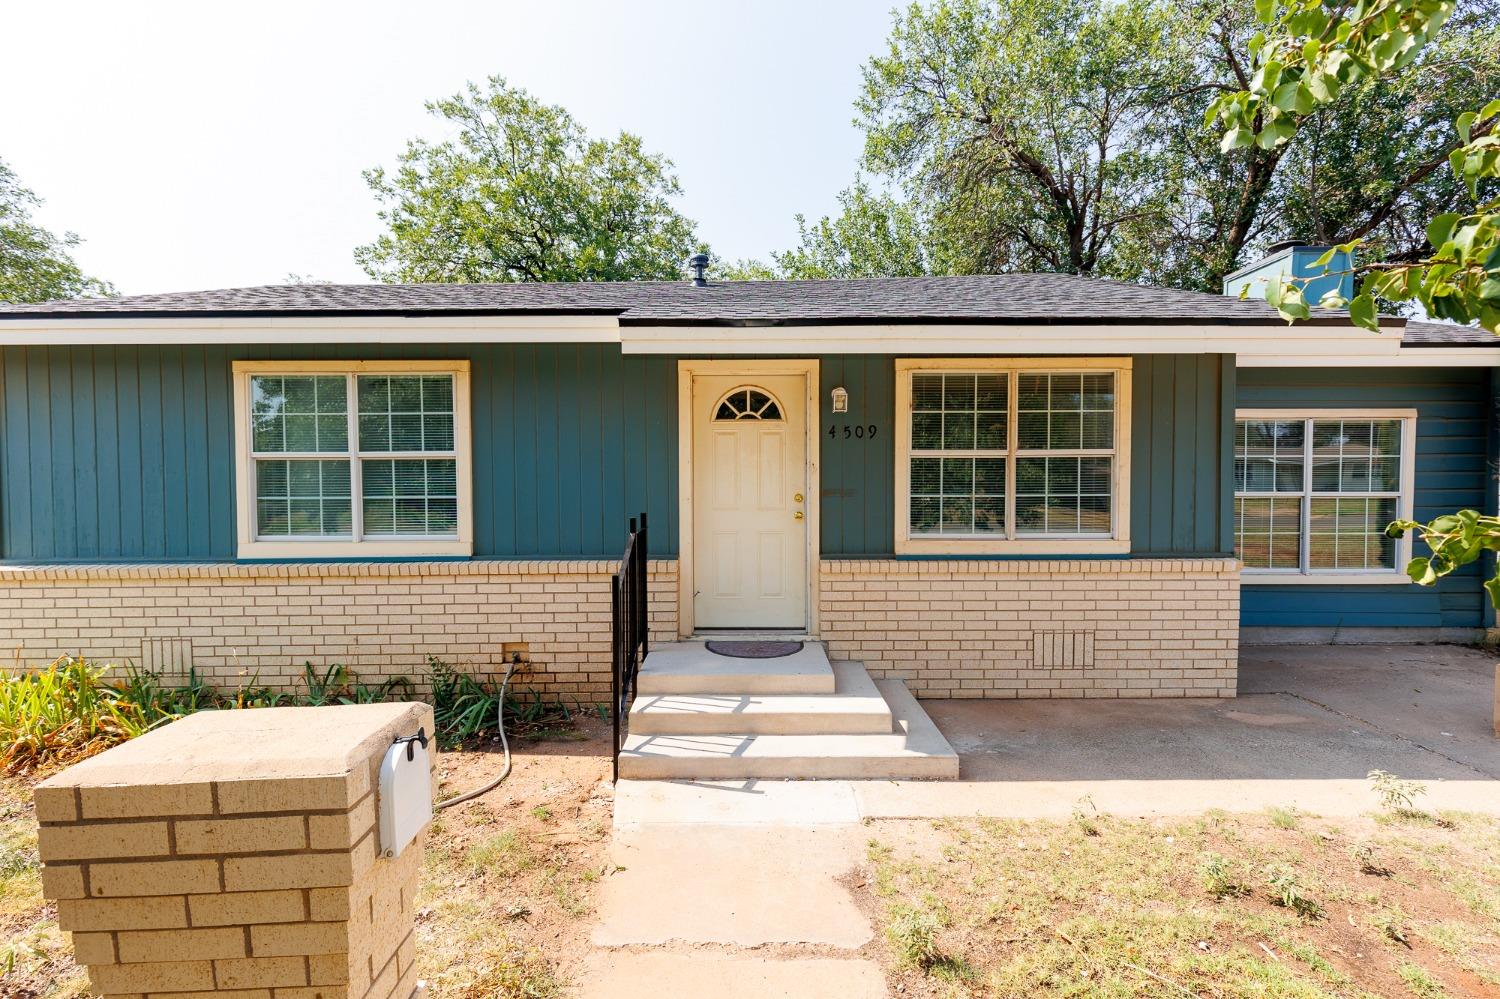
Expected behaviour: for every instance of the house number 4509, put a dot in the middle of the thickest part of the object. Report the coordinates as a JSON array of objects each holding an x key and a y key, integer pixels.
[{"x": 859, "y": 431}]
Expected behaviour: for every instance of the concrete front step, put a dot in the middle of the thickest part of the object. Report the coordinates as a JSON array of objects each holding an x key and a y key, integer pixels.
[
  {"x": 914, "y": 748},
  {"x": 689, "y": 668},
  {"x": 855, "y": 707}
]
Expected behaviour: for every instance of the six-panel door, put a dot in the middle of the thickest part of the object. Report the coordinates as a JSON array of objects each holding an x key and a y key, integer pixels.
[{"x": 750, "y": 501}]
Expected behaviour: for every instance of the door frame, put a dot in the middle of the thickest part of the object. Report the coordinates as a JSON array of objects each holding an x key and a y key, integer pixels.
[{"x": 687, "y": 372}]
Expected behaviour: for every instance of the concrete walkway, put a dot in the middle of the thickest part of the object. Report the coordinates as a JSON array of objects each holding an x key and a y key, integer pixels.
[{"x": 732, "y": 912}]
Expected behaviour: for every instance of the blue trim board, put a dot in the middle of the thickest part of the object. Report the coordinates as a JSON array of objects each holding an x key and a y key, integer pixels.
[{"x": 1455, "y": 408}]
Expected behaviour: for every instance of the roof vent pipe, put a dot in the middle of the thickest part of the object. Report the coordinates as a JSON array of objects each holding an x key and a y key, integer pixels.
[{"x": 698, "y": 262}]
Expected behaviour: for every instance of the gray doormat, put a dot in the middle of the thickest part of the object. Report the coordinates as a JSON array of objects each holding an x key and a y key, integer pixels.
[{"x": 754, "y": 650}]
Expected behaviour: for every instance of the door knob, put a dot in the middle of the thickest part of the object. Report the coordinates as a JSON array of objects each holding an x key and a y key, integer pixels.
[
  {"x": 797, "y": 515},
  {"x": 797, "y": 498}
]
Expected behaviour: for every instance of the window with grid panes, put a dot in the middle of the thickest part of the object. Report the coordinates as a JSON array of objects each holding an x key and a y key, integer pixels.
[
  {"x": 1011, "y": 454},
  {"x": 353, "y": 456},
  {"x": 1314, "y": 494}
]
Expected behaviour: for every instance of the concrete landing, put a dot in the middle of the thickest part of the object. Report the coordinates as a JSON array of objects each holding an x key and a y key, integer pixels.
[
  {"x": 856, "y": 707},
  {"x": 689, "y": 668},
  {"x": 913, "y": 748}
]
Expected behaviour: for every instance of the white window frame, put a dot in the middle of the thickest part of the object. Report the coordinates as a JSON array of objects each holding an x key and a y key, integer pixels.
[
  {"x": 1405, "y": 498},
  {"x": 1118, "y": 541},
  {"x": 252, "y": 547}
]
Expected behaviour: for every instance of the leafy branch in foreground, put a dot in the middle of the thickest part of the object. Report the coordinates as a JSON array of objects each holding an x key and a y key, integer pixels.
[
  {"x": 1455, "y": 539},
  {"x": 1311, "y": 51}
]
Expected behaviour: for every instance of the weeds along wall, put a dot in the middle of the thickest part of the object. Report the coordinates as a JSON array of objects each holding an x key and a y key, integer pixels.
[{"x": 257, "y": 624}]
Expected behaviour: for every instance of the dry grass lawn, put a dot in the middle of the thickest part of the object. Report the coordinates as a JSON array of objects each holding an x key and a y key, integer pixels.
[
  {"x": 1281, "y": 904},
  {"x": 509, "y": 887}
]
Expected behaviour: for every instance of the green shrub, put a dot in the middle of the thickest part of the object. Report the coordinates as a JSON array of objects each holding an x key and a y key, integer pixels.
[
  {"x": 1396, "y": 794},
  {"x": 462, "y": 707},
  {"x": 63, "y": 712},
  {"x": 1220, "y": 878},
  {"x": 338, "y": 684},
  {"x": 69, "y": 710},
  {"x": 913, "y": 932},
  {"x": 1288, "y": 892}
]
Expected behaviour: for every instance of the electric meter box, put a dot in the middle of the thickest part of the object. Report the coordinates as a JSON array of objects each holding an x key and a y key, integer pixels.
[{"x": 405, "y": 793}]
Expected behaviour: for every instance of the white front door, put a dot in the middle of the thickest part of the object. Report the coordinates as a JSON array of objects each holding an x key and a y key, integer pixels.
[{"x": 750, "y": 501}]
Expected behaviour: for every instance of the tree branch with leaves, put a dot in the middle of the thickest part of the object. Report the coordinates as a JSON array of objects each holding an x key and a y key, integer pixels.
[{"x": 1308, "y": 53}]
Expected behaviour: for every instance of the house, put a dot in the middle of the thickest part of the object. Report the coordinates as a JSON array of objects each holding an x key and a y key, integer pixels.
[{"x": 1028, "y": 485}]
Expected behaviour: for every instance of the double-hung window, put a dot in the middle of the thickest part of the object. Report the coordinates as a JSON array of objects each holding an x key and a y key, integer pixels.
[
  {"x": 353, "y": 459},
  {"x": 1022, "y": 456},
  {"x": 1314, "y": 492}
]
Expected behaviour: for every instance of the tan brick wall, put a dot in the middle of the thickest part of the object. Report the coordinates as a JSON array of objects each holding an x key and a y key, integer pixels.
[
  {"x": 1101, "y": 628},
  {"x": 232, "y": 622},
  {"x": 167, "y": 893}
]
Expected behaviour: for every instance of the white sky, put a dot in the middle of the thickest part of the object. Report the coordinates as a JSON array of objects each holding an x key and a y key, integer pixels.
[{"x": 203, "y": 145}]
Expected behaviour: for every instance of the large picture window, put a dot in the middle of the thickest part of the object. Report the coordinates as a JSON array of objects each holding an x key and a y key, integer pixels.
[
  {"x": 1315, "y": 491},
  {"x": 996, "y": 456},
  {"x": 353, "y": 458}
]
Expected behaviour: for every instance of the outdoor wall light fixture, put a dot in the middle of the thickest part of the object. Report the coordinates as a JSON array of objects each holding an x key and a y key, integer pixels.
[{"x": 840, "y": 400}]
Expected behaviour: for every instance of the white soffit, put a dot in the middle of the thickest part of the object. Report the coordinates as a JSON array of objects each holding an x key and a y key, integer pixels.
[
  {"x": 1272, "y": 340},
  {"x": 1272, "y": 345},
  {"x": 313, "y": 329}
]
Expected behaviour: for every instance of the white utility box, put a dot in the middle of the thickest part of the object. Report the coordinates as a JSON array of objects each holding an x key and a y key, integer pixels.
[{"x": 405, "y": 794}]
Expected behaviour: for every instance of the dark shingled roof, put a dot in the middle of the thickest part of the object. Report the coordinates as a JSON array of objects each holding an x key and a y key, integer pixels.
[
  {"x": 1425, "y": 334},
  {"x": 998, "y": 298},
  {"x": 1029, "y": 298}
]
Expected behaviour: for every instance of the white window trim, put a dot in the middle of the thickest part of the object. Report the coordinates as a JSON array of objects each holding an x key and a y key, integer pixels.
[
  {"x": 1404, "y": 503},
  {"x": 250, "y": 547},
  {"x": 1118, "y": 543}
]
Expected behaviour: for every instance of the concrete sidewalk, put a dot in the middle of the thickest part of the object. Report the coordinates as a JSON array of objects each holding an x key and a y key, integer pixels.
[{"x": 734, "y": 913}]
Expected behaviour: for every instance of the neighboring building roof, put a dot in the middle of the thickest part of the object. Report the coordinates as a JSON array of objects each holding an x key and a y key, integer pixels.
[
  {"x": 1425, "y": 334},
  {"x": 1000, "y": 298}
]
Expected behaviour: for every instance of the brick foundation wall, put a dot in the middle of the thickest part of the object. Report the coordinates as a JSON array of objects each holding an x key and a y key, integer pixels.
[
  {"x": 235, "y": 621},
  {"x": 1097, "y": 628}
]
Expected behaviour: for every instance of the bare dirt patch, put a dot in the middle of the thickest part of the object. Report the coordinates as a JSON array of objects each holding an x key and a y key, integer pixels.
[
  {"x": 512, "y": 877},
  {"x": 509, "y": 886},
  {"x": 1281, "y": 904}
]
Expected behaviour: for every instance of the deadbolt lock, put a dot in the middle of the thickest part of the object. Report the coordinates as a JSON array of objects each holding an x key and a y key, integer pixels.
[{"x": 797, "y": 498}]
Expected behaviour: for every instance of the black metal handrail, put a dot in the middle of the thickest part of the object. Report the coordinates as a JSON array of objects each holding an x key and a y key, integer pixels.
[{"x": 630, "y": 631}]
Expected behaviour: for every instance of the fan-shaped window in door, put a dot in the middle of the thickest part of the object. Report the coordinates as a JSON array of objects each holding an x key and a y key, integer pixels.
[{"x": 747, "y": 403}]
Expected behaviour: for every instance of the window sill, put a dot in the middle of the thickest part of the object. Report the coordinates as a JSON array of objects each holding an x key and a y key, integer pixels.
[
  {"x": 353, "y": 549},
  {"x": 1020, "y": 546},
  {"x": 1250, "y": 577}
]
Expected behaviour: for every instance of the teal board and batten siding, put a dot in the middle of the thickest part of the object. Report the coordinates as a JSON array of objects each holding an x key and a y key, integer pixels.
[
  {"x": 1181, "y": 440},
  {"x": 1453, "y": 414},
  {"x": 126, "y": 454}
]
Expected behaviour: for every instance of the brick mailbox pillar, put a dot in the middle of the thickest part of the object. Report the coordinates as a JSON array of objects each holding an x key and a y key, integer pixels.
[{"x": 237, "y": 853}]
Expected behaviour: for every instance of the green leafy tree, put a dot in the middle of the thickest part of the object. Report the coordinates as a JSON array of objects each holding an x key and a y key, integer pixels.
[
  {"x": 35, "y": 265},
  {"x": 1310, "y": 52},
  {"x": 1025, "y": 128},
  {"x": 523, "y": 193},
  {"x": 874, "y": 235},
  {"x": 1044, "y": 135},
  {"x": 1368, "y": 165}
]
